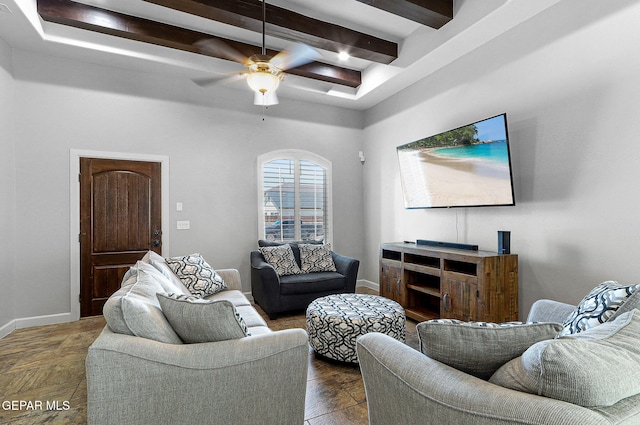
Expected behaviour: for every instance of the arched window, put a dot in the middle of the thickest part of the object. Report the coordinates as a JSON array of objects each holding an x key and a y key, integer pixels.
[{"x": 294, "y": 196}]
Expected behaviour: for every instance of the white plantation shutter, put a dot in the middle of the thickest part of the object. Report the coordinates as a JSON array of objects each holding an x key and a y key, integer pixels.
[
  {"x": 313, "y": 198},
  {"x": 294, "y": 191}
]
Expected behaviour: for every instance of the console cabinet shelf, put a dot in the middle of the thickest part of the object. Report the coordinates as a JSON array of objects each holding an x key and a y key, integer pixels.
[{"x": 434, "y": 282}]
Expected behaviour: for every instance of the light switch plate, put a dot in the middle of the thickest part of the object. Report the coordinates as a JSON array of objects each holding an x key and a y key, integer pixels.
[{"x": 183, "y": 225}]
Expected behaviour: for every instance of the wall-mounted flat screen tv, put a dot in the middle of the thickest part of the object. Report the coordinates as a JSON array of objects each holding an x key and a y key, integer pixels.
[{"x": 469, "y": 166}]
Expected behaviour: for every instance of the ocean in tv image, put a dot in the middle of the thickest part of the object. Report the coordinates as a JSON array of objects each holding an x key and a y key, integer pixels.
[{"x": 467, "y": 166}]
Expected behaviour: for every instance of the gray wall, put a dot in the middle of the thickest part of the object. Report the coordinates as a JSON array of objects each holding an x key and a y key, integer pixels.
[
  {"x": 7, "y": 189},
  {"x": 212, "y": 138},
  {"x": 568, "y": 80}
]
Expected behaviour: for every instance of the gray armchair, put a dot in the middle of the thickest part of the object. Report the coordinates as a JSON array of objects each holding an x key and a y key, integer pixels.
[{"x": 404, "y": 386}]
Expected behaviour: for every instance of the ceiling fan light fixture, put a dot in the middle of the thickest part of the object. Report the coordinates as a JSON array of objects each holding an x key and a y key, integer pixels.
[
  {"x": 263, "y": 82},
  {"x": 263, "y": 76}
]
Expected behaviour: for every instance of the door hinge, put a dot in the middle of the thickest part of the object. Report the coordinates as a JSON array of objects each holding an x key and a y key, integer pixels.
[
  {"x": 79, "y": 298},
  {"x": 79, "y": 237},
  {"x": 79, "y": 177}
]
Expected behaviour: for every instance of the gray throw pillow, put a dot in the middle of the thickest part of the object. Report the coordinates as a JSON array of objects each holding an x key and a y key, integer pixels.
[
  {"x": 480, "y": 348},
  {"x": 197, "y": 275},
  {"x": 594, "y": 368},
  {"x": 597, "y": 307},
  {"x": 196, "y": 320}
]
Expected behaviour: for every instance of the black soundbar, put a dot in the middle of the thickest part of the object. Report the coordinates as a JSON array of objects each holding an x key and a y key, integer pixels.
[{"x": 454, "y": 245}]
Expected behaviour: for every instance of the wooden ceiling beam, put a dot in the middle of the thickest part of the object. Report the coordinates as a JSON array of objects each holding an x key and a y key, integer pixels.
[
  {"x": 78, "y": 15},
  {"x": 432, "y": 13},
  {"x": 288, "y": 25}
]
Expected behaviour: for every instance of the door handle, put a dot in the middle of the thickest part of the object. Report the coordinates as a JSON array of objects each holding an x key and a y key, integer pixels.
[
  {"x": 155, "y": 243},
  {"x": 446, "y": 302}
]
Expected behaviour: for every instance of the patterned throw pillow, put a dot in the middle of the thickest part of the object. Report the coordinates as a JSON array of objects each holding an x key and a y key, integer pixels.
[
  {"x": 281, "y": 258},
  {"x": 480, "y": 348},
  {"x": 316, "y": 258},
  {"x": 196, "y": 320},
  {"x": 597, "y": 307},
  {"x": 198, "y": 276}
]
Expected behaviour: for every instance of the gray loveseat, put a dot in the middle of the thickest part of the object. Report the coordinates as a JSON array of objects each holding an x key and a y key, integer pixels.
[
  {"x": 256, "y": 379},
  {"x": 406, "y": 387},
  {"x": 280, "y": 294}
]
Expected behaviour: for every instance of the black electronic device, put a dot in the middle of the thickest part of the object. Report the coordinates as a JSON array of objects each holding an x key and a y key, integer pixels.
[
  {"x": 504, "y": 242},
  {"x": 454, "y": 245}
]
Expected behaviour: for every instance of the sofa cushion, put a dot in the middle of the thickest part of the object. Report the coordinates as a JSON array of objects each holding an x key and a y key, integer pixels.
[
  {"x": 594, "y": 368},
  {"x": 311, "y": 282},
  {"x": 281, "y": 258},
  {"x": 480, "y": 348},
  {"x": 316, "y": 258},
  {"x": 236, "y": 297},
  {"x": 597, "y": 307},
  {"x": 631, "y": 303},
  {"x": 197, "y": 320},
  {"x": 160, "y": 264},
  {"x": 197, "y": 275},
  {"x": 168, "y": 284},
  {"x": 134, "y": 310}
]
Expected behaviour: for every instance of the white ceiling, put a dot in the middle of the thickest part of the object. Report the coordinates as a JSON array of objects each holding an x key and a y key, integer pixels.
[{"x": 422, "y": 50}]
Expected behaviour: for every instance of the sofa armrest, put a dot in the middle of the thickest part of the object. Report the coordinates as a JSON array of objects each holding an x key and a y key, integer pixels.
[
  {"x": 403, "y": 387},
  {"x": 348, "y": 267},
  {"x": 231, "y": 277},
  {"x": 132, "y": 380},
  {"x": 549, "y": 311}
]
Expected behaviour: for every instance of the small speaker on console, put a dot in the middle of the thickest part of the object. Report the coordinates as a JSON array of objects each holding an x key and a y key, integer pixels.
[{"x": 504, "y": 242}]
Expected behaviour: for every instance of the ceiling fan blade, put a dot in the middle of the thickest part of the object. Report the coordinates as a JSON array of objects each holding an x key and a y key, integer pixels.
[
  {"x": 219, "y": 48},
  {"x": 219, "y": 79},
  {"x": 294, "y": 56},
  {"x": 266, "y": 99}
]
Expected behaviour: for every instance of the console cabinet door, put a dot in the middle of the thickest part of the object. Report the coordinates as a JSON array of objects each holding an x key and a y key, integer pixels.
[
  {"x": 390, "y": 281},
  {"x": 459, "y": 298}
]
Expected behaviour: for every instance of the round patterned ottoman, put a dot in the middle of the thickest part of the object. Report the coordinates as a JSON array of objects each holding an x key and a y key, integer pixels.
[{"x": 335, "y": 322}]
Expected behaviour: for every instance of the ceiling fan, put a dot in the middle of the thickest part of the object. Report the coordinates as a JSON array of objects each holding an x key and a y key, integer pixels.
[{"x": 263, "y": 72}]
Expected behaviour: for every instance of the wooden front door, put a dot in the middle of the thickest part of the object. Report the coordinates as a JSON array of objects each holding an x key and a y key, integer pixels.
[{"x": 120, "y": 220}]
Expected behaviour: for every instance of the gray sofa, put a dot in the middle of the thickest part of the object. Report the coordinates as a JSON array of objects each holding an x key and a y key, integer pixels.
[
  {"x": 281, "y": 294},
  {"x": 404, "y": 386},
  {"x": 255, "y": 379}
]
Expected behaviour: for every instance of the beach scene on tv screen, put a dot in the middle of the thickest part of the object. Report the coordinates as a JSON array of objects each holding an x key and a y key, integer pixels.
[{"x": 468, "y": 166}]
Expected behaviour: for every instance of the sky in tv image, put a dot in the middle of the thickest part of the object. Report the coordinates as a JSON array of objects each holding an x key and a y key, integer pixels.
[
  {"x": 492, "y": 129},
  {"x": 467, "y": 166}
]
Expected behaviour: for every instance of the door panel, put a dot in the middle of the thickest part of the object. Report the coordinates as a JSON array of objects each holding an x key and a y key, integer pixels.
[
  {"x": 119, "y": 222},
  {"x": 459, "y": 299}
]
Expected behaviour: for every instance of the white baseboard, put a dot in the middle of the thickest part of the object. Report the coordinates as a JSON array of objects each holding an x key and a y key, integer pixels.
[
  {"x": 7, "y": 329},
  {"x": 368, "y": 284},
  {"x": 28, "y": 322},
  {"x": 51, "y": 319}
]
